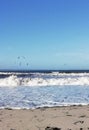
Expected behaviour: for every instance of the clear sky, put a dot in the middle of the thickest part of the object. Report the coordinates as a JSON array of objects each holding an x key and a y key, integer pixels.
[{"x": 44, "y": 34}]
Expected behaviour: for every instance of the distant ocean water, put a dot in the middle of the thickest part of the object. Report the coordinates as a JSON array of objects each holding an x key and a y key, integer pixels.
[{"x": 33, "y": 89}]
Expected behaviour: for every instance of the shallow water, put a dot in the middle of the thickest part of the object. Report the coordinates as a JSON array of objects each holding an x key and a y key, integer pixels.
[
  {"x": 40, "y": 89},
  {"x": 40, "y": 96}
]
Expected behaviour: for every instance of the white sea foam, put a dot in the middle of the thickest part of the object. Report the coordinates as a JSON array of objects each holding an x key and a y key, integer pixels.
[
  {"x": 44, "y": 79},
  {"x": 34, "y": 97},
  {"x": 50, "y": 89}
]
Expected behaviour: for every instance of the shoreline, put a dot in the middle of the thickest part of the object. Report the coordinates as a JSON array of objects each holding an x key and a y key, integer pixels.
[
  {"x": 43, "y": 107},
  {"x": 64, "y": 117}
]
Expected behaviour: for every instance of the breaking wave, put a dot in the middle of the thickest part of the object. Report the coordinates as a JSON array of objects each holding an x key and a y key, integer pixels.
[
  {"x": 43, "y": 79},
  {"x": 50, "y": 89}
]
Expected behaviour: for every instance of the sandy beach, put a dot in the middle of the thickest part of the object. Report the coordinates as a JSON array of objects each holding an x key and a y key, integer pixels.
[{"x": 73, "y": 117}]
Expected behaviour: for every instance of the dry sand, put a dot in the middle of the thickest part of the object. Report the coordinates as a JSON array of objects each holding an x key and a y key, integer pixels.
[{"x": 74, "y": 117}]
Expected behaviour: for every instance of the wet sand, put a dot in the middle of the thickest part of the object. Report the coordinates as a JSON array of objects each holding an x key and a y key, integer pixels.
[{"x": 73, "y": 117}]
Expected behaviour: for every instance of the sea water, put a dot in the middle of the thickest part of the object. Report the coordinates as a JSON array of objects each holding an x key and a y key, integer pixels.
[{"x": 43, "y": 89}]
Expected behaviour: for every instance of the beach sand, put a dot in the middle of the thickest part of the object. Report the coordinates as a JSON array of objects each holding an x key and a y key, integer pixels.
[{"x": 73, "y": 117}]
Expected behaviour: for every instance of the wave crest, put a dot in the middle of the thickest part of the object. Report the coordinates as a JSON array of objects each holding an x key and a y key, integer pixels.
[{"x": 45, "y": 80}]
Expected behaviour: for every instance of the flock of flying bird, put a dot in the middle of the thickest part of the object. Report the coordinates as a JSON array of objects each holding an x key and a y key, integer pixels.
[{"x": 20, "y": 59}]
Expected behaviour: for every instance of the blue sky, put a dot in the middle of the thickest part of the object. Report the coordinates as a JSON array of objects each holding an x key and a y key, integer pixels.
[{"x": 44, "y": 34}]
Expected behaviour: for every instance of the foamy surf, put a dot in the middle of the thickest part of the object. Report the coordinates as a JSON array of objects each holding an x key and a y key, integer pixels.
[
  {"x": 43, "y": 79},
  {"x": 46, "y": 96},
  {"x": 33, "y": 90}
]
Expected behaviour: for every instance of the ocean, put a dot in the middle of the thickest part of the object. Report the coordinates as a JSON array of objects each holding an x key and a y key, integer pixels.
[{"x": 43, "y": 88}]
